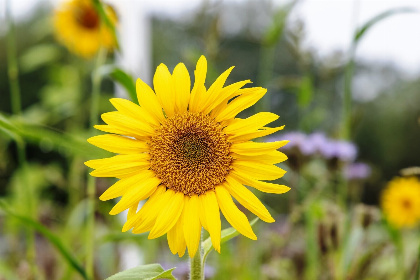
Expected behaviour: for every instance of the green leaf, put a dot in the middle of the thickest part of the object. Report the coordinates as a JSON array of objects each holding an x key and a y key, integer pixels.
[
  {"x": 144, "y": 272},
  {"x": 38, "y": 56},
  {"x": 362, "y": 30},
  {"x": 50, "y": 236},
  {"x": 60, "y": 141},
  {"x": 227, "y": 234},
  {"x": 123, "y": 78}
]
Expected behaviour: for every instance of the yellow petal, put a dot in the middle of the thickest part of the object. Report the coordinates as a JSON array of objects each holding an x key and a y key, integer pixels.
[
  {"x": 224, "y": 95},
  {"x": 148, "y": 100},
  {"x": 251, "y": 124},
  {"x": 176, "y": 238},
  {"x": 130, "y": 109},
  {"x": 272, "y": 157},
  {"x": 116, "y": 130},
  {"x": 201, "y": 215},
  {"x": 168, "y": 216},
  {"x": 247, "y": 199},
  {"x": 182, "y": 87},
  {"x": 192, "y": 228},
  {"x": 118, "y": 144},
  {"x": 144, "y": 210},
  {"x": 128, "y": 124},
  {"x": 214, "y": 91},
  {"x": 132, "y": 211},
  {"x": 117, "y": 160},
  {"x": 264, "y": 131},
  {"x": 123, "y": 185},
  {"x": 257, "y": 170},
  {"x": 199, "y": 89},
  {"x": 232, "y": 214},
  {"x": 119, "y": 165},
  {"x": 121, "y": 171},
  {"x": 212, "y": 217},
  {"x": 136, "y": 193},
  {"x": 239, "y": 104},
  {"x": 162, "y": 82},
  {"x": 243, "y": 178},
  {"x": 147, "y": 219},
  {"x": 255, "y": 148}
]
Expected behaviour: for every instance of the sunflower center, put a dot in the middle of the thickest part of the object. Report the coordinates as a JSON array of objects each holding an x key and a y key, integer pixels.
[
  {"x": 406, "y": 204},
  {"x": 190, "y": 153},
  {"x": 87, "y": 17}
]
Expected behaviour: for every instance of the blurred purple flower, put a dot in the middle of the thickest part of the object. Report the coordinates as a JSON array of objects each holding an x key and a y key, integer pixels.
[
  {"x": 357, "y": 170},
  {"x": 342, "y": 150},
  {"x": 318, "y": 143}
]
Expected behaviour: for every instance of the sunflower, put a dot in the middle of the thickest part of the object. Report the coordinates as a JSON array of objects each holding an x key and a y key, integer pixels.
[
  {"x": 401, "y": 202},
  {"x": 186, "y": 153},
  {"x": 79, "y": 27}
]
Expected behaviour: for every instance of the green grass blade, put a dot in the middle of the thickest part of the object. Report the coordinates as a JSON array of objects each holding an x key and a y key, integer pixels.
[
  {"x": 362, "y": 30},
  {"x": 50, "y": 236},
  {"x": 61, "y": 141}
]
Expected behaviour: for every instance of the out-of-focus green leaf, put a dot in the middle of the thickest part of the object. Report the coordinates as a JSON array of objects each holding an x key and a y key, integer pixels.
[
  {"x": 362, "y": 30},
  {"x": 275, "y": 30},
  {"x": 227, "y": 234},
  {"x": 144, "y": 272},
  {"x": 9, "y": 128},
  {"x": 59, "y": 140},
  {"x": 37, "y": 56},
  {"x": 50, "y": 236},
  {"x": 305, "y": 91},
  {"x": 123, "y": 78}
]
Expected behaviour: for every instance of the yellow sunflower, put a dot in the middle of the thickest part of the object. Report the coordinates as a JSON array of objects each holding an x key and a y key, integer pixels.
[
  {"x": 186, "y": 152},
  {"x": 79, "y": 27},
  {"x": 401, "y": 202}
]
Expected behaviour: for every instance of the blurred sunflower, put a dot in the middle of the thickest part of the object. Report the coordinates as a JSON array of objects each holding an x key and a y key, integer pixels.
[
  {"x": 186, "y": 152},
  {"x": 401, "y": 202},
  {"x": 79, "y": 27}
]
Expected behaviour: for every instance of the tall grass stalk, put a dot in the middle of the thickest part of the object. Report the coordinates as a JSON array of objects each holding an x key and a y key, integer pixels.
[
  {"x": 91, "y": 183},
  {"x": 15, "y": 96}
]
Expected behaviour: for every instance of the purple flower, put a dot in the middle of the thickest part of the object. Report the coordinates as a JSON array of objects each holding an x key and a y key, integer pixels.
[
  {"x": 342, "y": 150},
  {"x": 357, "y": 171}
]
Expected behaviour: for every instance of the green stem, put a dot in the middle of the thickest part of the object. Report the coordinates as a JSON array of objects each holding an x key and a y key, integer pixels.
[
  {"x": 13, "y": 75},
  {"x": 197, "y": 264},
  {"x": 400, "y": 256},
  {"x": 91, "y": 183},
  {"x": 417, "y": 277}
]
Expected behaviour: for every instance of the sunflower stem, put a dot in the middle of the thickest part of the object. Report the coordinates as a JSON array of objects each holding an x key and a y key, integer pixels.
[
  {"x": 197, "y": 264},
  {"x": 13, "y": 75},
  {"x": 91, "y": 183}
]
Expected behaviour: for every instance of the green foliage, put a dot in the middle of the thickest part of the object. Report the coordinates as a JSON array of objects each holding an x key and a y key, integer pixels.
[
  {"x": 50, "y": 236},
  {"x": 144, "y": 272}
]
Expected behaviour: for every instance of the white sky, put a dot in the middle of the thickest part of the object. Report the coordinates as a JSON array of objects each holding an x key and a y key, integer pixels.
[{"x": 329, "y": 25}]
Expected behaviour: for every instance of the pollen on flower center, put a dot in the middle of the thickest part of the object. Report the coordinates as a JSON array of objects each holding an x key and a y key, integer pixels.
[
  {"x": 87, "y": 17},
  {"x": 190, "y": 153}
]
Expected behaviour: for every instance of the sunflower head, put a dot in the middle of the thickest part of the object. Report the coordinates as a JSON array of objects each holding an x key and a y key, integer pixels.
[
  {"x": 186, "y": 152},
  {"x": 79, "y": 27},
  {"x": 401, "y": 202}
]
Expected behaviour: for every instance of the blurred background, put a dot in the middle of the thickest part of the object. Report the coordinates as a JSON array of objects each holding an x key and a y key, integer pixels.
[{"x": 344, "y": 76}]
